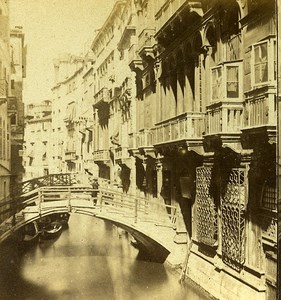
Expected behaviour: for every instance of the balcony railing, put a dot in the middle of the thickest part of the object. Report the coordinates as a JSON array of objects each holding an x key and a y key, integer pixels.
[
  {"x": 169, "y": 8},
  {"x": 101, "y": 155},
  {"x": 102, "y": 96},
  {"x": 146, "y": 40},
  {"x": 144, "y": 138},
  {"x": 128, "y": 30},
  {"x": 121, "y": 153},
  {"x": 223, "y": 118},
  {"x": 261, "y": 112},
  {"x": 185, "y": 127},
  {"x": 70, "y": 155},
  {"x": 134, "y": 58}
]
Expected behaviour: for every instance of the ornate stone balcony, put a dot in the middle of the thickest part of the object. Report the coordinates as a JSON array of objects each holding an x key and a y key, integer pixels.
[
  {"x": 144, "y": 138},
  {"x": 261, "y": 113},
  {"x": 135, "y": 61},
  {"x": 101, "y": 97},
  {"x": 223, "y": 123},
  {"x": 128, "y": 31},
  {"x": 121, "y": 154},
  {"x": 101, "y": 156},
  {"x": 141, "y": 142},
  {"x": 224, "y": 118},
  {"x": 144, "y": 142},
  {"x": 146, "y": 43},
  {"x": 173, "y": 16},
  {"x": 186, "y": 127},
  {"x": 70, "y": 155}
]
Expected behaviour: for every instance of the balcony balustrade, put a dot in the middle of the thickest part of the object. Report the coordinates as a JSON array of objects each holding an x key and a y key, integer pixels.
[
  {"x": 171, "y": 8},
  {"x": 101, "y": 97},
  {"x": 70, "y": 155},
  {"x": 224, "y": 119},
  {"x": 146, "y": 43},
  {"x": 135, "y": 61},
  {"x": 128, "y": 31},
  {"x": 261, "y": 112},
  {"x": 144, "y": 138},
  {"x": 188, "y": 126},
  {"x": 121, "y": 153},
  {"x": 101, "y": 155}
]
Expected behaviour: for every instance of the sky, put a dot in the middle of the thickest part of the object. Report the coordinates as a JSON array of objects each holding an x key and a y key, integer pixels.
[{"x": 53, "y": 27}]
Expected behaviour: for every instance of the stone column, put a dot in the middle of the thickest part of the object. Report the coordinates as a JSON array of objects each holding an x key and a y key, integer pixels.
[
  {"x": 133, "y": 186},
  {"x": 144, "y": 183},
  {"x": 159, "y": 168}
]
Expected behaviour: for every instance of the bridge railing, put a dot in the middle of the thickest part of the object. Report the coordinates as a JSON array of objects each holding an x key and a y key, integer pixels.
[
  {"x": 25, "y": 192},
  {"x": 105, "y": 201},
  {"x": 61, "y": 179},
  {"x": 139, "y": 208},
  {"x": 65, "y": 194}
]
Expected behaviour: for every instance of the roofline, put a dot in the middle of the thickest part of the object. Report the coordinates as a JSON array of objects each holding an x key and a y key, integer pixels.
[{"x": 112, "y": 13}]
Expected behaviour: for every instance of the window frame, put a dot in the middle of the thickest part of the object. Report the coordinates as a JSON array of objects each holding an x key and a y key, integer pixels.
[
  {"x": 224, "y": 80},
  {"x": 271, "y": 43}
]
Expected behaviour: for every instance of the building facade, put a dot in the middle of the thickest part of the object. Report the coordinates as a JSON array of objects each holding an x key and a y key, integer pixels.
[
  {"x": 5, "y": 150},
  {"x": 213, "y": 74},
  {"x": 15, "y": 104},
  {"x": 37, "y": 144},
  {"x": 177, "y": 103},
  {"x": 67, "y": 97}
]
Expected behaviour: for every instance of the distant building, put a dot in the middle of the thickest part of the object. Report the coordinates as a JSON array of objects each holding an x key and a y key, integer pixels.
[
  {"x": 113, "y": 89},
  {"x": 66, "y": 155},
  {"x": 5, "y": 77},
  {"x": 37, "y": 146},
  {"x": 15, "y": 104}
]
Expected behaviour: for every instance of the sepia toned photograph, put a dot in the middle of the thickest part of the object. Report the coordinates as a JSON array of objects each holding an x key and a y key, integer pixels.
[{"x": 140, "y": 150}]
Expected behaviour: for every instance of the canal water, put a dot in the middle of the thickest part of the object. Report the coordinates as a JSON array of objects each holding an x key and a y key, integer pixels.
[{"x": 90, "y": 260}]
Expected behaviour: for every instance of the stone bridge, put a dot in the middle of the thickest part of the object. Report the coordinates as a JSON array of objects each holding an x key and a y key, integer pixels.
[{"x": 151, "y": 223}]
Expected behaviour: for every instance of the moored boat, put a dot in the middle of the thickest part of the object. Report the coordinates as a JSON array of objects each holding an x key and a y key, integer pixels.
[
  {"x": 30, "y": 235},
  {"x": 43, "y": 222},
  {"x": 61, "y": 218},
  {"x": 51, "y": 231}
]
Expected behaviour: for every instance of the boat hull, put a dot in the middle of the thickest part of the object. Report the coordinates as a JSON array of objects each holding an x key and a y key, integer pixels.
[{"x": 52, "y": 231}]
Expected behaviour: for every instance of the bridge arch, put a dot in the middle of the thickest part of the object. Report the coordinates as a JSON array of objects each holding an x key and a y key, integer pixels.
[{"x": 148, "y": 222}]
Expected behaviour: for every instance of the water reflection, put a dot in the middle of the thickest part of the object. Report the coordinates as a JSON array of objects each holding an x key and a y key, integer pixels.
[{"x": 90, "y": 260}]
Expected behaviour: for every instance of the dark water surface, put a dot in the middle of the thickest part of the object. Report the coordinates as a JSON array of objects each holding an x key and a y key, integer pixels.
[{"x": 90, "y": 260}]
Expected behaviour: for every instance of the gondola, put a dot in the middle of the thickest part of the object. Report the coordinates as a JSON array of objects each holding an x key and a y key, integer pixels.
[
  {"x": 30, "y": 235},
  {"x": 43, "y": 222},
  {"x": 61, "y": 218},
  {"x": 51, "y": 231}
]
